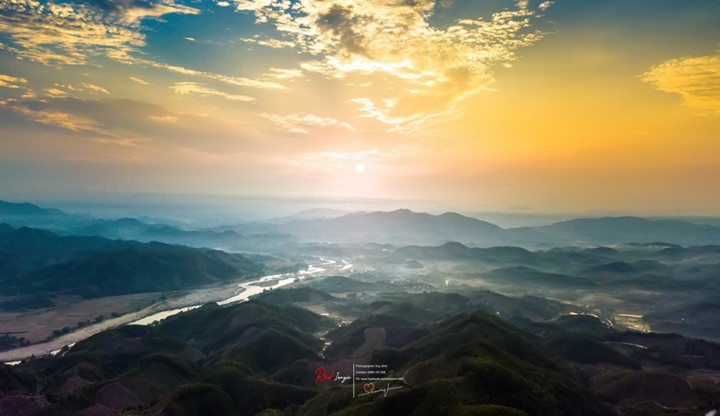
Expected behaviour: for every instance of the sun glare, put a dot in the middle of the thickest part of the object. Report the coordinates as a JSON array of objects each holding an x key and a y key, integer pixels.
[{"x": 359, "y": 167}]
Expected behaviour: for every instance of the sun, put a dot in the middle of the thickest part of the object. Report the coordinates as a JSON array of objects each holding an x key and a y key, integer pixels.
[{"x": 359, "y": 167}]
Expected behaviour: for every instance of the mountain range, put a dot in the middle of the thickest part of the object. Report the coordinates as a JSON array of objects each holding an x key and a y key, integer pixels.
[
  {"x": 399, "y": 227},
  {"x": 405, "y": 227},
  {"x": 469, "y": 318},
  {"x": 38, "y": 262}
]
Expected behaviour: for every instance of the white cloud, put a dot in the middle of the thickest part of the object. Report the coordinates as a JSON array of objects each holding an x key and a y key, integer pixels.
[
  {"x": 95, "y": 88},
  {"x": 380, "y": 112},
  {"x": 134, "y": 14},
  {"x": 75, "y": 33},
  {"x": 139, "y": 81},
  {"x": 237, "y": 81},
  {"x": 283, "y": 73},
  {"x": 406, "y": 122},
  {"x": 268, "y": 42},
  {"x": 395, "y": 38},
  {"x": 185, "y": 88},
  {"x": 70, "y": 33},
  {"x": 300, "y": 123}
]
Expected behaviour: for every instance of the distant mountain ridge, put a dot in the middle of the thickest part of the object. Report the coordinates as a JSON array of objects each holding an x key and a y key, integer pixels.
[
  {"x": 33, "y": 216},
  {"x": 309, "y": 214},
  {"x": 405, "y": 227},
  {"x": 400, "y": 227},
  {"x": 613, "y": 230},
  {"x": 133, "y": 229}
]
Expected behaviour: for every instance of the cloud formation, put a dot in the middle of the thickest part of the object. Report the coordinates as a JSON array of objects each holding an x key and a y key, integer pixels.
[
  {"x": 8, "y": 81},
  {"x": 95, "y": 88},
  {"x": 300, "y": 123},
  {"x": 696, "y": 80},
  {"x": 396, "y": 39},
  {"x": 230, "y": 80},
  {"x": 268, "y": 42},
  {"x": 185, "y": 88},
  {"x": 71, "y": 33},
  {"x": 424, "y": 70},
  {"x": 139, "y": 81},
  {"x": 52, "y": 117},
  {"x": 395, "y": 36},
  {"x": 283, "y": 74}
]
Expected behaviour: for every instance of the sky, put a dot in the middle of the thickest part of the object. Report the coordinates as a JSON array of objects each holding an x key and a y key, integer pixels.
[{"x": 566, "y": 106}]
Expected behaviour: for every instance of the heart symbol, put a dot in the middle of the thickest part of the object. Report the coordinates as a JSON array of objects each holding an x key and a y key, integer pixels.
[{"x": 369, "y": 387}]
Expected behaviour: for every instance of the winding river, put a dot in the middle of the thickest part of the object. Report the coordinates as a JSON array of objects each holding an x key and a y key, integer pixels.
[{"x": 149, "y": 315}]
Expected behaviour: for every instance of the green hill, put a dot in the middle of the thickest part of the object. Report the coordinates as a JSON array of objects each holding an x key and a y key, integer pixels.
[
  {"x": 259, "y": 358},
  {"x": 36, "y": 262}
]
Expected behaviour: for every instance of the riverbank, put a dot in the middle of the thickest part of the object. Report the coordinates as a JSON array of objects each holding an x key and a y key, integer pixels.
[
  {"x": 237, "y": 291},
  {"x": 48, "y": 321}
]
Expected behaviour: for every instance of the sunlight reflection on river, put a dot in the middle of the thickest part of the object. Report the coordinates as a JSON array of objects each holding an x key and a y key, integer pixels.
[
  {"x": 255, "y": 287},
  {"x": 250, "y": 289}
]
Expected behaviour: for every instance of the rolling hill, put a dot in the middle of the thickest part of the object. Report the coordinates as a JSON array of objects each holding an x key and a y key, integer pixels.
[
  {"x": 40, "y": 262},
  {"x": 262, "y": 357}
]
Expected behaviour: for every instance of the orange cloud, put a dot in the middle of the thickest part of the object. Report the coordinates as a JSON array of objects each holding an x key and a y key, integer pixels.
[{"x": 696, "y": 80}]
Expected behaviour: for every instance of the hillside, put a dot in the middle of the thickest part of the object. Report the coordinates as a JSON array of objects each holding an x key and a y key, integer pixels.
[
  {"x": 39, "y": 262},
  {"x": 263, "y": 358}
]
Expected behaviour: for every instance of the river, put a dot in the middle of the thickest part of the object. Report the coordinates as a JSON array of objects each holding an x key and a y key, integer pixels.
[{"x": 151, "y": 314}]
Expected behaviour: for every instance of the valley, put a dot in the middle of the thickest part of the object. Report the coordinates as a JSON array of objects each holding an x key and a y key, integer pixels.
[
  {"x": 359, "y": 208},
  {"x": 102, "y": 325},
  {"x": 49, "y": 322}
]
